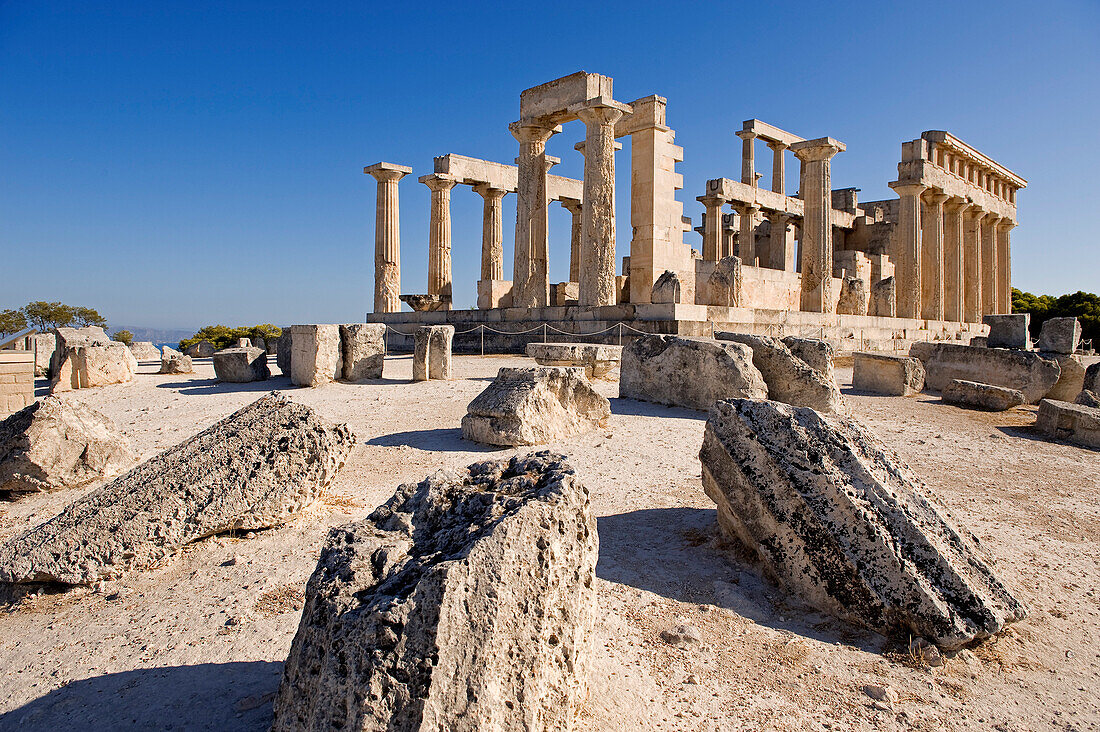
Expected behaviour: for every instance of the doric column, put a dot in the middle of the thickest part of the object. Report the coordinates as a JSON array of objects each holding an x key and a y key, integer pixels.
[
  {"x": 712, "y": 228},
  {"x": 989, "y": 264},
  {"x": 779, "y": 167},
  {"x": 748, "y": 164},
  {"x": 387, "y": 237},
  {"x": 953, "y": 282},
  {"x": 597, "y": 271},
  {"x": 781, "y": 247},
  {"x": 932, "y": 258},
  {"x": 907, "y": 255},
  {"x": 530, "y": 277},
  {"x": 439, "y": 235},
  {"x": 817, "y": 228},
  {"x": 574, "y": 207},
  {"x": 972, "y": 264},
  {"x": 748, "y": 235},
  {"x": 1004, "y": 265},
  {"x": 492, "y": 232}
]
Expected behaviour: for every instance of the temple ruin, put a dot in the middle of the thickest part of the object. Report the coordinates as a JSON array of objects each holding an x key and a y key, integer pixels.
[{"x": 927, "y": 265}]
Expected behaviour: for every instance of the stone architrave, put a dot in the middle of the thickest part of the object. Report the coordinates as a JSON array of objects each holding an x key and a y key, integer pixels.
[
  {"x": 241, "y": 365},
  {"x": 907, "y": 253},
  {"x": 530, "y": 273},
  {"x": 597, "y": 272},
  {"x": 387, "y": 236},
  {"x": 1060, "y": 335},
  {"x": 363, "y": 350},
  {"x": 439, "y": 236},
  {"x": 492, "y": 232},
  {"x": 432, "y": 352},
  {"x": 315, "y": 358},
  {"x": 817, "y": 226},
  {"x": 667, "y": 288}
]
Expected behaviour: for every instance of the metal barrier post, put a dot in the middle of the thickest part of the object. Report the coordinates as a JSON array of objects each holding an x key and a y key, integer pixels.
[{"x": 482, "y": 326}]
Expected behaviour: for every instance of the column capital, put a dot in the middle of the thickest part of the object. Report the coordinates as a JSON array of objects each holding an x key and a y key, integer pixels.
[
  {"x": 822, "y": 148},
  {"x": 746, "y": 209},
  {"x": 439, "y": 181},
  {"x": 975, "y": 211},
  {"x": 777, "y": 146},
  {"x": 572, "y": 205},
  {"x": 908, "y": 189},
  {"x": 746, "y": 135},
  {"x": 711, "y": 201},
  {"x": 1006, "y": 223},
  {"x": 936, "y": 197},
  {"x": 387, "y": 171},
  {"x": 532, "y": 131},
  {"x": 602, "y": 111},
  {"x": 488, "y": 191},
  {"x": 955, "y": 204}
]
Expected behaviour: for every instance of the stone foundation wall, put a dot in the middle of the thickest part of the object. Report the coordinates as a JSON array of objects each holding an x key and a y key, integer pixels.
[{"x": 16, "y": 381}]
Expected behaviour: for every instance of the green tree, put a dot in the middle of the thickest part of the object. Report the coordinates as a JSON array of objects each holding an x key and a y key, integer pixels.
[
  {"x": 87, "y": 316},
  {"x": 1085, "y": 306},
  {"x": 45, "y": 315},
  {"x": 222, "y": 336},
  {"x": 11, "y": 322},
  {"x": 124, "y": 336}
]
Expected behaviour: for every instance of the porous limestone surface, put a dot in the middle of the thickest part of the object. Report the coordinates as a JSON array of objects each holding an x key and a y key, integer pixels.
[
  {"x": 1059, "y": 335},
  {"x": 363, "y": 350},
  {"x": 845, "y": 524},
  {"x": 174, "y": 362},
  {"x": 887, "y": 373},
  {"x": 790, "y": 379},
  {"x": 84, "y": 366},
  {"x": 1025, "y": 371},
  {"x": 1071, "y": 377},
  {"x": 465, "y": 602},
  {"x": 1008, "y": 331},
  {"x": 241, "y": 365},
  {"x": 599, "y": 360},
  {"x": 982, "y": 396},
  {"x": 534, "y": 406},
  {"x": 817, "y": 353},
  {"x": 1076, "y": 423},
  {"x": 315, "y": 358}
]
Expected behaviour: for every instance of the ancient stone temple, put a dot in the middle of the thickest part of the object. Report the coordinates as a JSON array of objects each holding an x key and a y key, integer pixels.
[{"x": 927, "y": 265}]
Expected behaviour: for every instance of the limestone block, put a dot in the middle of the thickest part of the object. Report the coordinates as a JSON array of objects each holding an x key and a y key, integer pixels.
[
  {"x": 1025, "y": 371},
  {"x": 86, "y": 366},
  {"x": 789, "y": 378},
  {"x": 1071, "y": 379},
  {"x": 884, "y": 373},
  {"x": 979, "y": 342},
  {"x": 667, "y": 288},
  {"x": 285, "y": 351},
  {"x": 688, "y": 372},
  {"x": 202, "y": 349},
  {"x": 55, "y": 443},
  {"x": 243, "y": 343},
  {"x": 272, "y": 345},
  {"x": 598, "y": 360},
  {"x": 432, "y": 352},
  {"x": 1008, "y": 331},
  {"x": 1074, "y": 423},
  {"x": 534, "y": 406},
  {"x": 982, "y": 396},
  {"x": 364, "y": 350},
  {"x": 842, "y": 522},
  {"x": 241, "y": 365},
  {"x": 464, "y": 603},
  {"x": 259, "y": 343},
  {"x": 622, "y": 289},
  {"x": 252, "y": 470},
  {"x": 1060, "y": 335},
  {"x": 145, "y": 351},
  {"x": 725, "y": 283},
  {"x": 817, "y": 353},
  {"x": 315, "y": 356},
  {"x": 884, "y": 299},
  {"x": 854, "y": 297},
  {"x": 66, "y": 338},
  {"x": 494, "y": 294},
  {"x": 563, "y": 294},
  {"x": 1088, "y": 399},
  {"x": 44, "y": 346},
  {"x": 174, "y": 362},
  {"x": 1092, "y": 378}
]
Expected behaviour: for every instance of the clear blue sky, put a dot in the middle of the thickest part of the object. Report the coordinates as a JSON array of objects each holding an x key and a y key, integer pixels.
[{"x": 180, "y": 164}]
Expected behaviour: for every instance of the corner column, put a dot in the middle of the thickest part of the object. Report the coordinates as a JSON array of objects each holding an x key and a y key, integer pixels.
[
  {"x": 530, "y": 277},
  {"x": 953, "y": 282},
  {"x": 574, "y": 207},
  {"x": 932, "y": 259},
  {"x": 972, "y": 264},
  {"x": 439, "y": 236},
  {"x": 779, "y": 168},
  {"x": 597, "y": 271},
  {"x": 990, "y": 296},
  {"x": 1004, "y": 265},
  {"x": 492, "y": 232},
  {"x": 748, "y": 161},
  {"x": 712, "y": 228},
  {"x": 817, "y": 228},
  {"x": 387, "y": 237},
  {"x": 907, "y": 255}
]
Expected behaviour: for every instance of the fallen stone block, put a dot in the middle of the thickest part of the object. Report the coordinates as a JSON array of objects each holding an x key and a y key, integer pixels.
[
  {"x": 817, "y": 353},
  {"x": 688, "y": 372},
  {"x": 272, "y": 344},
  {"x": 258, "y": 342},
  {"x": 854, "y": 297},
  {"x": 1008, "y": 331},
  {"x": 284, "y": 352},
  {"x": 174, "y": 362},
  {"x": 597, "y": 359},
  {"x": 252, "y": 470},
  {"x": 884, "y": 299},
  {"x": 363, "y": 350},
  {"x": 87, "y": 366},
  {"x": 145, "y": 351},
  {"x": 1025, "y": 371},
  {"x": 432, "y": 352},
  {"x": 202, "y": 349},
  {"x": 726, "y": 282},
  {"x": 57, "y": 443},
  {"x": 466, "y": 602},
  {"x": 1087, "y": 399},
  {"x": 241, "y": 365},
  {"x": 66, "y": 338},
  {"x": 1071, "y": 378},
  {"x": 982, "y": 396},
  {"x": 790, "y": 379},
  {"x": 884, "y": 373},
  {"x": 667, "y": 288},
  {"x": 533, "y": 406},
  {"x": 1074, "y": 423},
  {"x": 315, "y": 356},
  {"x": 1091, "y": 382},
  {"x": 44, "y": 346},
  {"x": 839, "y": 520},
  {"x": 1060, "y": 335}
]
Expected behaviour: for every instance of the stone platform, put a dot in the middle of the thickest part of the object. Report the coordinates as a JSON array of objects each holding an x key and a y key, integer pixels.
[{"x": 509, "y": 330}]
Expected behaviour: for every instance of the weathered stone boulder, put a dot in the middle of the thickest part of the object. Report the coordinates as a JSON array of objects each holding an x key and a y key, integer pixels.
[
  {"x": 432, "y": 352},
  {"x": 1060, "y": 335},
  {"x": 363, "y": 350},
  {"x": 1087, "y": 399},
  {"x": 241, "y": 365},
  {"x": 667, "y": 288},
  {"x": 854, "y": 297},
  {"x": 1024, "y": 371},
  {"x": 981, "y": 396},
  {"x": 285, "y": 352},
  {"x": 1071, "y": 378},
  {"x": 87, "y": 366},
  {"x": 1008, "y": 331},
  {"x": 57, "y": 443},
  {"x": 463, "y": 603},
  {"x": 315, "y": 357},
  {"x": 252, "y": 470},
  {"x": 272, "y": 344},
  {"x": 1074, "y": 423},
  {"x": 789, "y": 378},
  {"x": 842, "y": 522},
  {"x": 145, "y": 351},
  {"x": 244, "y": 343},
  {"x": 817, "y": 353},
  {"x": 174, "y": 362},
  {"x": 202, "y": 349},
  {"x": 258, "y": 342},
  {"x": 688, "y": 372},
  {"x": 725, "y": 283},
  {"x": 44, "y": 346},
  {"x": 885, "y": 373},
  {"x": 1092, "y": 378},
  {"x": 66, "y": 338},
  {"x": 533, "y": 406},
  {"x": 884, "y": 300},
  {"x": 598, "y": 359}
]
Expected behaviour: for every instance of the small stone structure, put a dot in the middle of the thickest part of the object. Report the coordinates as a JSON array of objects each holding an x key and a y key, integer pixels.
[
  {"x": 145, "y": 351},
  {"x": 363, "y": 350},
  {"x": 202, "y": 349},
  {"x": 883, "y": 300},
  {"x": 599, "y": 361},
  {"x": 1071, "y": 378},
  {"x": 667, "y": 288},
  {"x": 432, "y": 354},
  {"x": 790, "y": 379},
  {"x": 854, "y": 297},
  {"x": 86, "y": 365},
  {"x": 241, "y": 365},
  {"x": 1060, "y": 335},
  {"x": 315, "y": 354},
  {"x": 883, "y": 373},
  {"x": 1025, "y": 371},
  {"x": 815, "y": 352},
  {"x": 252, "y": 470},
  {"x": 1074, "y": 423},
  {"x": 174, "y": 362},
  {"x": 1008, "y": 331},
  {"x": 982, "y": 396},
  {"x": 16, "y": 381},
  {"x": 534, "y": 406},
  {"x": 471, "y": 597}
]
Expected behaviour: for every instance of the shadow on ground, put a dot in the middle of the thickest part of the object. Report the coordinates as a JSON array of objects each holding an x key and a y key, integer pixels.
[
  {"x": 214, "y": 386},
  {"x": 208, "y": 696},
  {"x": 636, "y": 408},
  {"x": 440, "y": 439}
]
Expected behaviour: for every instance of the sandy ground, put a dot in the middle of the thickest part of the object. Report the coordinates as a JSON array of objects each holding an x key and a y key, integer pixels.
[{"x": 198, "y": 642}]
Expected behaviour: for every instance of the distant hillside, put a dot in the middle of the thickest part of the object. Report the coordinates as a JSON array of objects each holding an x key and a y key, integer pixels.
[{"x": 156, "y": 335}]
